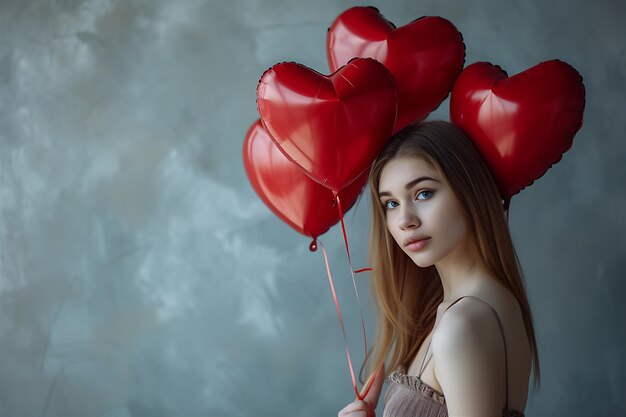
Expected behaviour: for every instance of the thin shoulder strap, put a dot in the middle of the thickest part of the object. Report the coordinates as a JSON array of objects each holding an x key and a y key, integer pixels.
[
  {"x": 431, "y": 339},
  {"x": 506, "y": 367}
]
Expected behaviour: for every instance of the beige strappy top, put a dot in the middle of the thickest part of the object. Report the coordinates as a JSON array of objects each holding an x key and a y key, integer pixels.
[{"x": 409, "y": 396}]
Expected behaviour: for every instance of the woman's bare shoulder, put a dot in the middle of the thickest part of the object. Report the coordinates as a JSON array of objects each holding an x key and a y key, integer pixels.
[
  {"x": 464, "y": 347},
  {"x": 470, "y": 337},
  {"x": 469, "y": 317}
]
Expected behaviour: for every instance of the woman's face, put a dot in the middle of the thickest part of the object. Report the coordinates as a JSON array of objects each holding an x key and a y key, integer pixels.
[{"x": 419, "y": 205}]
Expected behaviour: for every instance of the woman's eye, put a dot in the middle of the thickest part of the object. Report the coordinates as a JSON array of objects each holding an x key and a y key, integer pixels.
[
  {"x": 386, "y": 204},
  {"x": 427, "y": 192}
]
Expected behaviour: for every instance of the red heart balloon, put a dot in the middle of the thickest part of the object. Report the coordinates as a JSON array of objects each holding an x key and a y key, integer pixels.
[
  {"x": 522, "y": 124},
  {"x": 302, "y": 203},
  {"x": 331, "y": 126},
  {"x": 425, "y": 56}
]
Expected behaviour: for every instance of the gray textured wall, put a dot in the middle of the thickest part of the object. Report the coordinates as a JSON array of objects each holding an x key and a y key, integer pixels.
[{"x": 140, "y": 275}]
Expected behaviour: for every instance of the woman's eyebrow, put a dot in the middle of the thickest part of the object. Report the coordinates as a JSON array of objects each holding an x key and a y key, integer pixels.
[{"x": 408, "y": 185}]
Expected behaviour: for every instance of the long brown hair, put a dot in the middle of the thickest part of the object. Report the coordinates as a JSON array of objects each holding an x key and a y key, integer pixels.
[{"x": 405, "y": 295}]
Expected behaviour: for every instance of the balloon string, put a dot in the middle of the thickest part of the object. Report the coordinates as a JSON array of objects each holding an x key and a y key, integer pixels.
[
  {"x": 332, "y": 288},
  {"x": 352, "y": 272}
]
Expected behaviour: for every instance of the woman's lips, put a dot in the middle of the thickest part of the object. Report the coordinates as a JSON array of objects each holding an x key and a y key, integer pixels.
[{"x": 415, "y": 246}]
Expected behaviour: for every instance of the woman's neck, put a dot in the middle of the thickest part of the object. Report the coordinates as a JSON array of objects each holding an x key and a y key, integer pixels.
[{"x": 460, "y": 274}]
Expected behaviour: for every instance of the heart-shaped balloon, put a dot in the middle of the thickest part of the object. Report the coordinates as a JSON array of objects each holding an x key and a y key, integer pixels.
[
  {"x": 302, "y": 203},
  {"x": 425, "y": 56},
  {"x": 331, "y": 126},
  {"x": 522, "y": 124}
]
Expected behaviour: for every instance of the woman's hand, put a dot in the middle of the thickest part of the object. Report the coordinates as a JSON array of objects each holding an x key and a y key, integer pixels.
[{"x": 367, "y": 407}]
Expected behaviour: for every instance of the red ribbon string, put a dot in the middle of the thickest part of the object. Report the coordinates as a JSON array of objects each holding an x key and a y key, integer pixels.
[
  {"x": 352, "y": 272},
  {"x": 332, "y": 288}
]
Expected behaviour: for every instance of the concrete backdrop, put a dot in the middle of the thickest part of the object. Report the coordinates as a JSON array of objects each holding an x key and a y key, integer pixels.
[{"x": 140, "y": 275}]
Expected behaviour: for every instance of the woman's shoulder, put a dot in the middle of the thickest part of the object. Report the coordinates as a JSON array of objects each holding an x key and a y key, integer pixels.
[
  {"x": 484, "y": 312},
  {"x": 469, "y": 320},
  {"x": 470, "y": 336}
]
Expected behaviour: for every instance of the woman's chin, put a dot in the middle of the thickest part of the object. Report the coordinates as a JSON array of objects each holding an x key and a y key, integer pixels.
[{"x": 421, "y": 261}]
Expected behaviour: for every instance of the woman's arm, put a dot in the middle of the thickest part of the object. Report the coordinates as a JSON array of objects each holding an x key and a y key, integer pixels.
[{"x": 469, "y": 360}]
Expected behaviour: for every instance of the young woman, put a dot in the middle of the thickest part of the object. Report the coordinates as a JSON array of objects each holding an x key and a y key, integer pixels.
[{"x": 455, "y": 332}]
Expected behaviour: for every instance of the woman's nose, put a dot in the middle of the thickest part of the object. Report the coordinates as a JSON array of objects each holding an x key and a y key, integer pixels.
[{"x": 408, "y": 217}]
